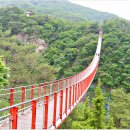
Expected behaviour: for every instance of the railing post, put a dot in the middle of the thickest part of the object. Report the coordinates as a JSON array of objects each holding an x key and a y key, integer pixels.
[
  {"x": 83, "y": 86},
  {"x": 55, "y": 86},
  {"x": 84, "y": 83},
  {"x": 61, "y": 104},
  {"x": 61, "y": 85},
  {"x": 32, "y": 92},
  {"x": 34, "y": 103},
  {"x": 45, "y": 89},
  {"x": 66, "y": 101},
  {"x": 23, "y": 96},
  {"x": 46, "y": 104},
  {"x": 70, "y": 81},
  {"x": 75, "y": 92},
  {"x": 54, "y": 110},
  {"x": 11, "y": 99},
  {"x": 14, "y": 117},
  {"x": 80, "y": 88},
  {"x": 73, "y": 95},
  {"x": 11, "y": 96},
  {"x": 39, "y": 91},
  {"x": 70, "y": 97}
]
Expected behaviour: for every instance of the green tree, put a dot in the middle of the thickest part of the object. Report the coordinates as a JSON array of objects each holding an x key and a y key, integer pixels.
[
  {"x": 85, "y": 121},
  {"x": 4, "y": 73},
  {"x": 94, "y": 116},
  {"x": 110, "y": 124},
  {"x": 120, "y": 108},
  {"x": 98, "y": 108}
]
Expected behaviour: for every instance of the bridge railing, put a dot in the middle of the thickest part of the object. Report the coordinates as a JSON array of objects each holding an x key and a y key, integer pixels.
[
  {"x": 68, "y": 99},
  {"x": 64, "y": 95},
  {"x": 21, "y": 94}
]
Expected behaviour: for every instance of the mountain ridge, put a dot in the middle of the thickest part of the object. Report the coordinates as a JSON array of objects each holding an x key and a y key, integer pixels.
[{"x": 60, "y": 9}]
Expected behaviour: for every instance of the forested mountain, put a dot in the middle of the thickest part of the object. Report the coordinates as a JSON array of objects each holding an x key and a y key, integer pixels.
[
  {"x": 70, "y": 48},
  {"x": 41, "y": 48},
  {"x": 60, "y": 9}
]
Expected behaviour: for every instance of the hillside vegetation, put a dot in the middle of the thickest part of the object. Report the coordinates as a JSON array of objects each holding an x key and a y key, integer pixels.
[
  {"x": 59, "y": 9},
  {"x": 71, "y": 47},
  {"x": 101, "y": 110}
]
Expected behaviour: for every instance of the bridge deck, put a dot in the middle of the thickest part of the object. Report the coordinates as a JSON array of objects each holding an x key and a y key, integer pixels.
[{"x": 24, "y": 120}]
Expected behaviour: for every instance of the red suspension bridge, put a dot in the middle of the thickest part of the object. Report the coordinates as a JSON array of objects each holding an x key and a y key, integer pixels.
[{"x": 46, "y": 105}]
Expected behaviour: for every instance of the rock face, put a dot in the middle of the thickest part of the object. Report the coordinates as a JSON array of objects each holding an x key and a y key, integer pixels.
[
  {"x": 21, "y": 37},
  {"x": 41, "y": 44}
]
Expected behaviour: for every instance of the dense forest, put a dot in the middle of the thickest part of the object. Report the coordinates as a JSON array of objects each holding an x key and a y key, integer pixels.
[
  {"x": 41, "y": 48},
  {"x": 69, "y": 48}
]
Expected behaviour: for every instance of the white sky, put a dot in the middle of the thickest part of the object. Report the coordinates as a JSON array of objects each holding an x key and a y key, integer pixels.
[{"x": 118, "y": 7}]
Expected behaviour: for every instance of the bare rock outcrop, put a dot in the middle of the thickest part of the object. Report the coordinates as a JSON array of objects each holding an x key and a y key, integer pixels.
[{"x": 41, "y": 44}]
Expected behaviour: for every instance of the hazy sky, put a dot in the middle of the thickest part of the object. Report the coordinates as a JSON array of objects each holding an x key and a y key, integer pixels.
[{"x": 118, "y": 7}]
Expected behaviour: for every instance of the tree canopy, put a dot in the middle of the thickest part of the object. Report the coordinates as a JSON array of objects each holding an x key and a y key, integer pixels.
[{"x": 71, "y": 47}]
